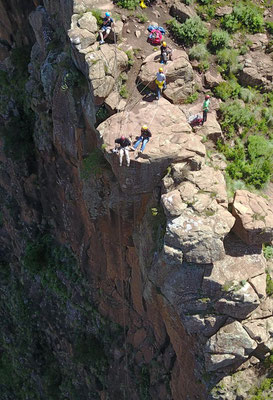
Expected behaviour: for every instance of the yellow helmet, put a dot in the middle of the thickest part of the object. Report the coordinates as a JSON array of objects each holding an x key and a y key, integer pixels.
[
  {"x": 164, "y": 44},
  {"x": 144, "y": 127},
  {"x": 160, "y": 69}
]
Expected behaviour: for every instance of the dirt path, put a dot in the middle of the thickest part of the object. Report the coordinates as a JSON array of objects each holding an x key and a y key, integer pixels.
[{"x": 159, "y": 13}]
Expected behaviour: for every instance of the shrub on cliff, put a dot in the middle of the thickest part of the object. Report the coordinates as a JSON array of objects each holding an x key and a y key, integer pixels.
[
  {"x": 129, "y": 4},
  {"x": 219, "y": 40},
  {"x": 190, "y": 32},
  {"x": 251, "y": 162},
  {"x": 244, "y": 16}
]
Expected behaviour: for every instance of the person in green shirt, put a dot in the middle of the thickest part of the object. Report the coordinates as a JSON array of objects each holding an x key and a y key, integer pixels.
[{"x": 206, "y": 105}]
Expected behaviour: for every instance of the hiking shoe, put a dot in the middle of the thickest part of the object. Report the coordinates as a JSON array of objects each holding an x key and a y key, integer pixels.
[{"x": 102, "y": 41}]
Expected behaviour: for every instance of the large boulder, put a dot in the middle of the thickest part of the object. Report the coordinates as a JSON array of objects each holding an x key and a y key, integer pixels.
[
  {"x": 88, "y": 22},
  {"x": 254, "y": 218},
  {"x": 179, "y": 75},
  {"x": 229, "y": 345},
  {"x": 198, "y": 216},
  {"x": 261, "y": 330},
  {"x": 257, "y": 70},
  {"x": 105, "y": 65},
  {"x": 171, "y": 142},
  {"x": 181, "y": 11}
]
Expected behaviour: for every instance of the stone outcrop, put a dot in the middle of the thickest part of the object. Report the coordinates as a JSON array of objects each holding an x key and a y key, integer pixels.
[
  {"x": 230, "y": 344},
  {"x": 179, "y": 75},
  {"x": 157, "y": 253},
  {"x": 199, "y": 218},
  {"x": 181, "y": 11},
  {"x": 101, "y": 64},
  {"x": 254, "y": 218},
  {"x": 212, "y": 79},
  {"x": 257, "y": 70},
  {"x": 171, "y": 142}
]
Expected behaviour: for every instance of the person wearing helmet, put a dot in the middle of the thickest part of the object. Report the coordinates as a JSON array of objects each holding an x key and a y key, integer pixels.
[
  {"x": 107, "y": 25},
  {"x": 166, "y": 53},
  {"x": 206, "y": 105},
  {"x": 123, "y": 148},
  {"x": 160, "y": 82},
  {"x": 144, "y": 138}
]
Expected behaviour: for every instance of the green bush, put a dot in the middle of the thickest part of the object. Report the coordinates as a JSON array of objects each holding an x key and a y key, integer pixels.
[
  {"x": 264, "y": 391},
  {"x": 268, "y": 251},
  {"x": 246, "y": 16},
  {"x": 247, "y": 94},
  {"x": 190, "y": 32},
  {"x": 94, "y": 164},
  {"x": 206, "y": 12},
  {"x": 130, "y": 55},
  {"x": 203, "y": 66},
  {"x": 269, "y": 27},
  {"x": 228, "y": 61},
  {"x": 123, "y": 91},
  {"x": 192, "y": 98},
  {"x": 226, "y": 90},
  {"x": 234, "y": 116},
  {"x": 142, "y": 18},
  {"x": 219, "y": 40},
  {"x": 199, "y": 52},
  {"x": 97, "y": 14},
  {"x": 129, "y": 4},
  {"x": 251, "y": 162}
]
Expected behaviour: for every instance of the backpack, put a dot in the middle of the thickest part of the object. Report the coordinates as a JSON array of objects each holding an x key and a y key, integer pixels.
[
  {"x": 155, "y": 37},
  {"x": 195, "y": 120}
]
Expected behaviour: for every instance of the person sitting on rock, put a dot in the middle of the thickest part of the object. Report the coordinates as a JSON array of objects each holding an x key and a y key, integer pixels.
[
  {"x": 123, "y": 143},
  {"x": 206, "y": 105},
  {"x": 160, "y": 82},
  {"x": 166, "y": 53},
  {"x": 144, "y": 138},
  {"x": 107, "y": 25}
]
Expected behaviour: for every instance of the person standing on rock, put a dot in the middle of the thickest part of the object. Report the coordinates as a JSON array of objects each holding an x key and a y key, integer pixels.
[
  {"x": 107, "y": 25},
  {"x": 166, "y": 53},
  {"x": 144, "y": 138},
  {"x": 206, "y": 105},
  {"x": 124, "y": 144},
  {"x": 160, "y": 82}
]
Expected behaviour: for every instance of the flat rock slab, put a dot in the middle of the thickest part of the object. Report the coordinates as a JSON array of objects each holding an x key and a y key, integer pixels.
[{"x": 172, "y": 141}]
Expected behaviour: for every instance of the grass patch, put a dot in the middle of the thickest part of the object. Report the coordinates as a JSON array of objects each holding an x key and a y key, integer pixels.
[
  {"x": 251, "y": 161},
  {"x": 268, "y": 251},
  {"x": 123, "y": 91},
  {"x": 97, "y": 14},
  {"x": 227, "y": 89},
  {"x": 199, "y": 52},
  {"x": 245, "y": 16},
  {"x": 131, "y": 60},
  {"x": 142, "y": 19},
  {"x": 128, "y": 4},
  {"x": 192, "y": 98},
  {"x": 93, "y": 164},
  {"x": 269, "y": 285}
]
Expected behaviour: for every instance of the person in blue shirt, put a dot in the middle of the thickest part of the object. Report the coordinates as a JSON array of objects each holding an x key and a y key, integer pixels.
[{"x": 107, "y": 25}]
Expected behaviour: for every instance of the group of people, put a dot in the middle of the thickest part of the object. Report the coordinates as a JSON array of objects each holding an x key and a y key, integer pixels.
[{"x": 123, "y": 144}]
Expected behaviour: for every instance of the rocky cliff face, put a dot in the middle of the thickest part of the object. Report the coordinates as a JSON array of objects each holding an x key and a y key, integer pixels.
[{"x": 144, "y": 292}]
